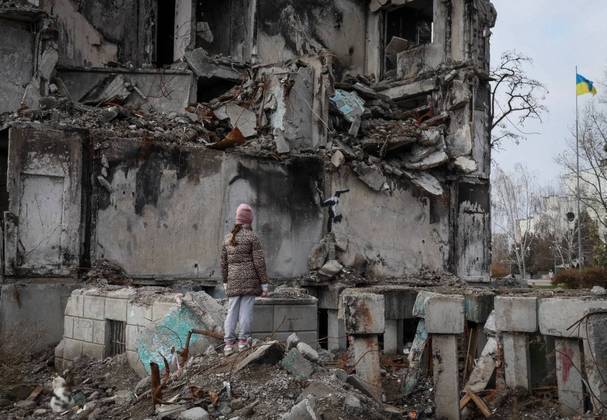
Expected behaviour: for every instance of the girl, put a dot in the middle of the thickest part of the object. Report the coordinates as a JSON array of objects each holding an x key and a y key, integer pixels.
[{"x": 244, "y": 277}]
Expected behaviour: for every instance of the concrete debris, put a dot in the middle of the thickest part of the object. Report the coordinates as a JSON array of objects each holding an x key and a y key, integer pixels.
[
  {"x": 465, "y": 164},
  {"x": 268, "y": 353},
  {"x": 297, "y": 365},
  {"x": 308, "y": 352},
  {"x": 211, "y": 67},
  {"x": 370, "y": 175},
  {"x": 292, "y": 341},
  {"x": 239, "y": 117},
  {"x": 349, "y": 104},
  {"x": 331, "y": 268},
  {"x": 304, "y": 410},
  {"x": 195, "y": 413},
  {"x": 338, "y": 158},
  {"x": 433, "y": 160},
  {"x": 598, "y": 290}
]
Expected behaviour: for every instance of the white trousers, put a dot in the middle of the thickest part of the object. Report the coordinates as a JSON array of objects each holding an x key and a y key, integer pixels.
[{"x": 240, "y": 310}]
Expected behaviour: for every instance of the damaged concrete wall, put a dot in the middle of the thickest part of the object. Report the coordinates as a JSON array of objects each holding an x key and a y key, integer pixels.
[
  {"x": 163, "y": 211},
  {"x": 80, "y": 42},
  {"x": 398, "y": 233},
  {"x": 287, "y": 29},
  {"x": 16, "y": 62}
]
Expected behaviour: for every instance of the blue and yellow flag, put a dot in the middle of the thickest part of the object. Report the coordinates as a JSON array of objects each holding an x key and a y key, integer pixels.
[{"x": 583, "y": 85}]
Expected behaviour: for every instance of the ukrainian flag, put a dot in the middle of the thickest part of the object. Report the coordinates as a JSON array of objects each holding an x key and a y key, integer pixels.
[{"x": 583, "y": 85}]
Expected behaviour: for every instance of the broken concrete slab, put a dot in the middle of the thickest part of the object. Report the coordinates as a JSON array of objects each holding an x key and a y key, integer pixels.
[
  {"x": 266, "y": 354},
  {"x": 370, "y": 175},
  {"x": 297, "y": 365},
  {"x": 204, "y": 66},
  {"x": 419, "y": 308},
  {"x": 485, "y": 366},
  {"x": 433, "y": 160},
  {"x": 241, "y": 118},
  {"x": 331, "y": 268},
  {"x": 557, "y": 315},
  {"x": 409, "y": 89},
  {"x": 303, "y": 410},
  {"x": 516, "y": 313},
  {"x": 425, "y": 181}
]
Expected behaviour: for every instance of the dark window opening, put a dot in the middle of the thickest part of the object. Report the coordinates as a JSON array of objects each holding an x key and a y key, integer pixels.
[
  {"x": 214, "y": 87},
  {"x": 115, "y": 341},
  {"x": 406, "y": 27},
  {"x": 323, "y": 328},
  {"x": 165, "y": 32},
  {"x": 213, "y": 26}
]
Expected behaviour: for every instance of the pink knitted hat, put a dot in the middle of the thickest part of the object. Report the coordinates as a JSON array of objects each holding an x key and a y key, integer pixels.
[{"x": 244, "y": 215}]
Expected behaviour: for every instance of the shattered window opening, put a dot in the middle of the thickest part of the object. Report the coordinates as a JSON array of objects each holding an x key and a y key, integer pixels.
[
  {"x": 115, "y": 342},
  {"x": 406, "y": 27},
  {"x": 165, "y": 32}
]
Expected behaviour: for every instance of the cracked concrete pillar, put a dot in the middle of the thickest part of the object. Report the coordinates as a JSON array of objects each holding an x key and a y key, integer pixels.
[
  {"x": 336, "y": 332},
  {"x": 393, "y": 336},
  {"x": 515, "y": 317},
  {"x": 364, "y": 317},
  {"x": 569, "y": 379},
  {"x": 445, "y": 319}
]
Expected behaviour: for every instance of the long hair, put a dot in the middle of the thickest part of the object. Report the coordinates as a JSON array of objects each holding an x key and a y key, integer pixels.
[{"x": 234, "y": 232}]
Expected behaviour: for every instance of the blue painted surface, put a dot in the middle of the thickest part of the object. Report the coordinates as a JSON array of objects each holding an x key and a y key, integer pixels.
[{"x": 170, "y": 331}]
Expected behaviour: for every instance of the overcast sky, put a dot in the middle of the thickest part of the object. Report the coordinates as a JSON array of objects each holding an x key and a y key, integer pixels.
[{"x": 558, "y": 35}]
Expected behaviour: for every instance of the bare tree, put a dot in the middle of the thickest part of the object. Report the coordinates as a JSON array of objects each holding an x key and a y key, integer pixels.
[
  {"x": 515, "y": 205},
  {"x": 557, "y": 225},
  {"x": 593, "y": 165},
  {"x": 515, "y": 98}
]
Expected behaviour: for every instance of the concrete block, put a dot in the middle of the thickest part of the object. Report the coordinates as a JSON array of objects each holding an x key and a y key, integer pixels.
[
  {"x": 71, "y": 349},
  {"x": 295, "y": 318},
  {"x": 362, "y": 312},
  {"x": 83, "y": 329},
  {"x": 94, "y": 351},
  {"x": 115, "y": 309},
  {"x": 99, "y": 332},
  {"x": 446, "y": 385},
  {"x": 445, "y": 314},
  {"x": 419, "y": 307},
  {"x": 570, "y": 385},
  {"x": 555, "y": 315},
  {"x": 94, "y": 307},
  {"x": 478, "y": 307},
  {"x": 137, "y": 314},
  {"x": 75, "y": 304},
  {"x": 516, "y": 360},
  {"x": 133, "y": 332},
  {"x": 516, "y": 313},
  {"x": 135, "y": 363},
  {"x": 68, "y": 326},
  {"x": 160, "y": 309},
  {"x": 297, "y": 365},
  {"x": 336, "y": 332},
  {"x": 328, "y": 297},
  {"x": 263, "y": 318}
]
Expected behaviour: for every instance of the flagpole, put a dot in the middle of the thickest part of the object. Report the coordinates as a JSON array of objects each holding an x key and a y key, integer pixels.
[{"x": 577, "y": 155}]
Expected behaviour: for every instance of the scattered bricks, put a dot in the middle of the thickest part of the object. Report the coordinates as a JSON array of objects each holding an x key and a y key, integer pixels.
[
  {"x": 445, "y": 314},
  {"x": 94, "y": 307},
  {"x": 366, "y": 363},
  {"x": 570, "y": 386},
  {"x": 419, "y": 308},
  {"x": 71, "y": 349},
  {"x": 516, "y": 360},
  {"x": 478, "y": 307},
  {"x": 595, "y": 357},
  {"x": 75, "y": 304},
  {"x": 336, "y": 332},
  {"x": 446, "y": 386},
  {"x": 297, "y": 365},
  {"x": 555, "y": 315},
  {"x": 516, "y": 314},
  {"x": 363, "y": 313},
  {"x": 68, "y": 326},
  {"x": 99, "y": 332},
  {"x": 92, "y": 350},
  {"x": 83, "y": 329},
  {"x": 115, "y": 309},
  {"x": 137, "y": 314},
  {"x": 295, "y": 318}
]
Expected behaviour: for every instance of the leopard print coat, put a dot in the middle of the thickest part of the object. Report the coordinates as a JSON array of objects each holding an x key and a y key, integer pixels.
[{"x": 243, "y": 266}]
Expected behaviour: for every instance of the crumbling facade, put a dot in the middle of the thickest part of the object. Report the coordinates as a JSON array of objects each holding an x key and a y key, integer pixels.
[{"x": 133, "y": 130}]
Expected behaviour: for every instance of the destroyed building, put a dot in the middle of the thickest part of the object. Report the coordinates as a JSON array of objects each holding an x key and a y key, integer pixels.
[{"x": 357, "y": 129}]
